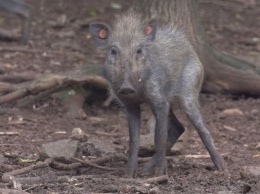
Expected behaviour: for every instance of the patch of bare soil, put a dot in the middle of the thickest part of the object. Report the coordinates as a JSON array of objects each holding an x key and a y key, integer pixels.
[{"x": 59, "y": 41}]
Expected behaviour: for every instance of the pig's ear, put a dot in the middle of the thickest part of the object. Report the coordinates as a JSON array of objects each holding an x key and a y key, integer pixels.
[
  {"x": 100, "y": 33},
  {"x": 150, "y": 30}
]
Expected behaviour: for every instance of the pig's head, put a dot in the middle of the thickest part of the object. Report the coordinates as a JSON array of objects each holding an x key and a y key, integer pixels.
[{"x": 127, "y": 64}]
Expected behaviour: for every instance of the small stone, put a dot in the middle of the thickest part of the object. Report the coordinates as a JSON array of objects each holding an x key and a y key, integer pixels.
[
  {"x": 155, "y": 190},
  {"x": 78, "y": 134},
  {"x": 96, "y": 147},
  {"x": 125, "y": 189},
  {"x": 77, "y": 131},
  {"x": 64, "y": 148}
]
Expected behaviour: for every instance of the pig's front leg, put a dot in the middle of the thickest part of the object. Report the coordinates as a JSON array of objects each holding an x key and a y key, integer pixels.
[
  {"x": 158, "y": 161},
  {"x": 133, "y": 115}
]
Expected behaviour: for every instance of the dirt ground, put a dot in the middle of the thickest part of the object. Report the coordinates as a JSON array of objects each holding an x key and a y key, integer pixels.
[{"x": 63, "y": 26}]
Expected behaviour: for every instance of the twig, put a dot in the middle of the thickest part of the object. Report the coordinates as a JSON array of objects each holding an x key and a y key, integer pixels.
[
  {"x": 12, "y": 191},
  {"x": 196, "y": 156},
  {"x": 89, "y": 163},
  {"x": 32, "y": 187},
  {"x": 8, "y": 144},
  {"x": 9, "y": 176},
  {"x": 200, "y": 156},
  {"x": 9, "y": 133},
  {"x": 60, "y": 166},
  {"x": 19, "y": 122}
]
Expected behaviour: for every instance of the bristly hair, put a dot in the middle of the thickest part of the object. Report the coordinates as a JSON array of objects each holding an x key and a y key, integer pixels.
[
  {"x": 128, "y": 28},
  {"x": 129, "y": 32}
]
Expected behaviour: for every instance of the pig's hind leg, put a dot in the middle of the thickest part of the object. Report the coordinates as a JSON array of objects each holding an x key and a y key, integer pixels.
[{"x": 190, "y": 106}]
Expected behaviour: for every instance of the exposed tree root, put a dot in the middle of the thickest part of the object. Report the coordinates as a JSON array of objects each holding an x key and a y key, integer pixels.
[
  {"x": 51, "y": 83},
  {"x": 229, "y": 75},
  {"x": 9, "y": 34}
]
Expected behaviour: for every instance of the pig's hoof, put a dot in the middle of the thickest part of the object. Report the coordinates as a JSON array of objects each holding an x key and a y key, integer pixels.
[
  {"x": 130, "y": 172},
  {"x": 220, "y": 163},
  {"x": 159, "y": 167},
  {"x": 221, "y": 166},
  {"x": 149, "y": 166},
  {"x": 159, "y": 171}
]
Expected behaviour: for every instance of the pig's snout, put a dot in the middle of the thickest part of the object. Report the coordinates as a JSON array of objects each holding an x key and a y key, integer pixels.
[
  {"x": 126, "y": 87},
  {"x": 126, "y": 90}
]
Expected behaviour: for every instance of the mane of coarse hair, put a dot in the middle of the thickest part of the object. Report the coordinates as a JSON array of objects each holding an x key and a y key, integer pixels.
[
  {"x": 129, "y": 18},
  {"x": 127, "y": 27}
]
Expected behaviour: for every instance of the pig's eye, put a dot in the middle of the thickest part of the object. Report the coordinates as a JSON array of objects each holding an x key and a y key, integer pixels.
[
  {"x": 113, "y": 51},
  {"x": 139, "y": 51}
]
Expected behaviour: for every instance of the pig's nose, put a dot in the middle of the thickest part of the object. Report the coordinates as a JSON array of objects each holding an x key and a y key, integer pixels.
[{"x": 126, "y": 91}]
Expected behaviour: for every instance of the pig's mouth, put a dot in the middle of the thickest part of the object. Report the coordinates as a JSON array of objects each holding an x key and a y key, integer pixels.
[{"x": 127, "y": 93}]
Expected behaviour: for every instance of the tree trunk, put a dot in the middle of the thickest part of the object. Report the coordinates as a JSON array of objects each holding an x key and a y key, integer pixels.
[{"x": 223, "y": 73}]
